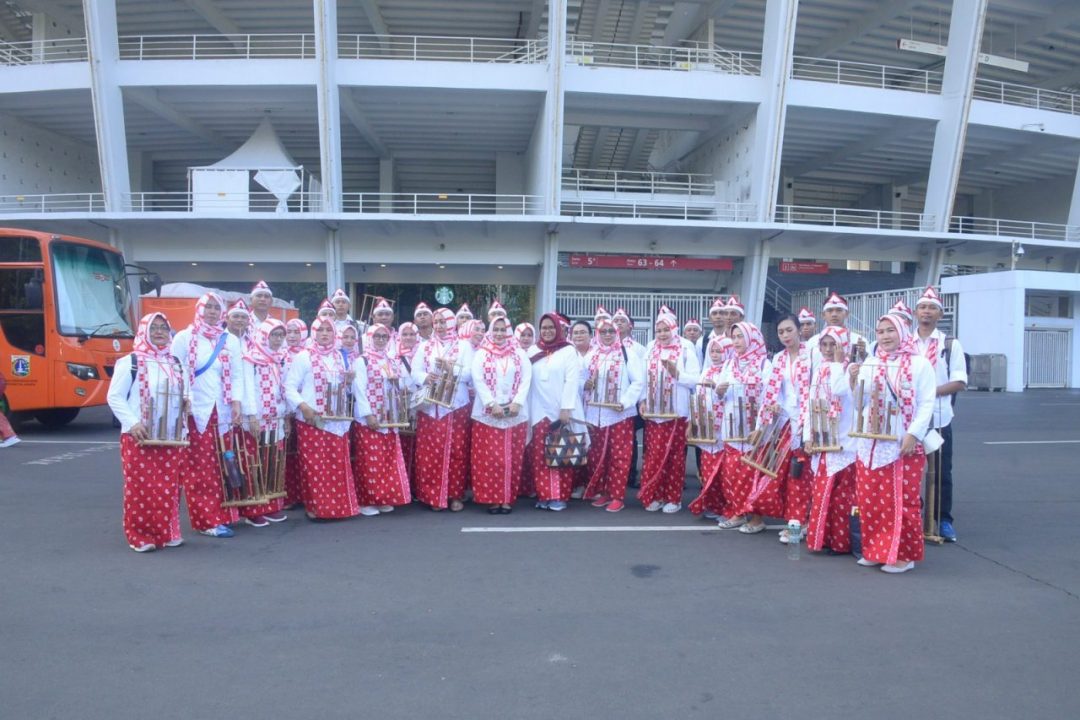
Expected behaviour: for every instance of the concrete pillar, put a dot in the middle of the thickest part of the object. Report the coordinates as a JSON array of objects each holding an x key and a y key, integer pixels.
[
  {"x": 928, "y": 271},
  {"x": 957, "y": 88},
  {"x": 551, "y": 129},
  {"x": 547, "y": 279},
  {"x": 108, "y": 102},
  {"x": 1074, "y": 209},
  {"x": 335, "y": 262},
  {"x": 776, "y": 52},
  {"x": 326, "y": 52},
  {"x": 387, "y": 183},
  {"x": 754, "y": 276}
]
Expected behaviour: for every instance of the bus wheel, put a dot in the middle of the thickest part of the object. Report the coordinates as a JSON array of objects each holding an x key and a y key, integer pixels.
[{"x": 57, "y": 417}]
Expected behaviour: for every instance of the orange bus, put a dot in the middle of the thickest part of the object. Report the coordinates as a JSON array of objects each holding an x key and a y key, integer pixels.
[{"x": 64, "y": 321}]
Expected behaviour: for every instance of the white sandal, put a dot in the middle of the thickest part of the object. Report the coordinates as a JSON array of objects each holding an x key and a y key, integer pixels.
[
  {"x": 749, "y": 529},
  {"x": 731, "y": 523}
]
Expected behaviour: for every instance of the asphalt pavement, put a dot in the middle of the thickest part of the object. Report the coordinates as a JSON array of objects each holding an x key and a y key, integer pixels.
[{"x": 422, "y": 615}]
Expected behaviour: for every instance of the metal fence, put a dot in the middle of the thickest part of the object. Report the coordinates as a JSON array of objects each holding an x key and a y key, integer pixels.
[
  {"x": 631, "y": 181},
  {"x": 696, "y": 56},
  {"x": 1026, "y": 96},
  {"x": 441, "y": 204},
  {"x": 37, "y": 52},
  {"x": 886, "y": 77},
  {"x": 54, "y": 202},
  {"x": 865, "y": 308},
  {"x": 442, "y": 48},
  {"x": 690, "y": 209},
  {"x": 852, "y": 217},
  {"x": 217, "y": 47},
  {"x": 1047, "y": 358},
  {"x": 1013, "y": 228},
  {"x": 641, "y": 307}
]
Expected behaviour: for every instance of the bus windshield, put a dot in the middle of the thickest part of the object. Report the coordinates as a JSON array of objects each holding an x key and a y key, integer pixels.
[{"x": 91, "y": 291}]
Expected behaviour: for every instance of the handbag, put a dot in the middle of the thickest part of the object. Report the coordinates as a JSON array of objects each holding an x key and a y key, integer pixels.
[
  {"x": 932, "y": 441},
  {"x": 565, "y": 448}
]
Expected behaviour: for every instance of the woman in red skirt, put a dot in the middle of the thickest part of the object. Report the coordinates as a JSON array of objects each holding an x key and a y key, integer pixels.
[
  {"x": 408, "y": 341},
  {"x": 315, "y": 381},
  {"x": 141, "y": 395},
  {"x": 501, "y": 375},
  {"x": 296, "y": 336},
  {"x": 896, "y": 385},
  {"x": 710, "y": 502}
]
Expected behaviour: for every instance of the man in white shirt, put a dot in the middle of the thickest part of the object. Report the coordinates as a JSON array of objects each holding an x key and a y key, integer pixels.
[
  {"x": 835, "y": 312},
  {"x": 946, "y": 355},
  {"x": 807, "y": 324},
  {"x": 261, "y": 301}
]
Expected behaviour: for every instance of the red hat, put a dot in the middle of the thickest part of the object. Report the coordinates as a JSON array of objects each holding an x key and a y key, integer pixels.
[
  {"x": 340, "y": 294},
  {"x": 325, "y": 306},
  {"x": 601, "y": 312},
  {"x": 496, "y": 307},
  {"x": 717, "y": 304},
  {"x": 901, "y": 309},
  {"x": 692, "y": 322},
  {"x": 261, "y": 287},
  {"x": 806, "y": 316},
  {"x": 464, "y": 310},
  {"x": 238, "y": 307},
  {"x": 421, "y": 308},
  {"x": 835, "y": 301},
  {"x": 930, "y": 296},
  {"x": 382, "y": 305}
]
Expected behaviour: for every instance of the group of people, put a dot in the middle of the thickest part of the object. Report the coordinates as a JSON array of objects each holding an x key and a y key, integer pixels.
[{"x": 448, "y": 407}]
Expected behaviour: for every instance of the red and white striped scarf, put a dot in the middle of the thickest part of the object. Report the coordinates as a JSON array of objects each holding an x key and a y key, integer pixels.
[
  {"x": 901, "y": 384},
  {"x": 611, "y": 355},
  {"x": 708, "y": 381},
  {"x": 380, "y": 366},
  {"x": 199, "y": 327},
  {"x": 319, "y": 355},
  {"x": 798, "y": 373},
  {"x": 268, "y": 366},
  {"x": 493, "y": 355},
  {"x": 747, "y": 367},
  {"x": 146, "y": 353},
  {"x": 658, "y": 353}
]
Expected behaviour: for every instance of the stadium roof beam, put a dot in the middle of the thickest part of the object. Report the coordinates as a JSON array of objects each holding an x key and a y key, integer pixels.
[
  {"x": 685, "y": 19},
  {"x": 637, "y": 23},
  {"x": 57, "y": 12},
  {"x": 149, "y": 100},
  {"x": 886, "y": 11},
  {"x": 898, "y": 131},
  {"x": 536, "y": 14},
  {"x": 650, "y": 121},
  {"x": 375, "y": 16},
  {"x": 356, "y": 117},
  {"x": 1064, "y": 14},
  {"x": 213, "y": 15}
]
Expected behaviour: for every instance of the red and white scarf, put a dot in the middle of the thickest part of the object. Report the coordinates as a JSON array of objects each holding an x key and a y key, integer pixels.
[
  {"x": 199, "y": 327},
  {"x": 710, "y": 376},
  {"x": 609, "y": 356},
  {"x": 380, "y": 366},
  {"x": 747, "y": 367},
  {"x": 293, "y": 350},
  {"x": 824, "y": 379},
  {"x": 797, "y": 371},
  {"x": 319, "y": 356},
  {"x": 894, "y": 371},
  {"x": 145, "y": 353},
  {"x": 661, "y": 352},
  {"x": 268, "y": 367},
  {"x": 496, "y": 355}
]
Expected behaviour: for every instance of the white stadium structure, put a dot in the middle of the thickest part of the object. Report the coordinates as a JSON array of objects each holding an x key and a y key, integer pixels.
[{"x": 587, "y": 148}]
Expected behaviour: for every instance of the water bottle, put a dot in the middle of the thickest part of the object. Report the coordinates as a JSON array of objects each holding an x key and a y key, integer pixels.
[
  {"x": 794, "y": 543},
  {"x": 232, "y": 470}
]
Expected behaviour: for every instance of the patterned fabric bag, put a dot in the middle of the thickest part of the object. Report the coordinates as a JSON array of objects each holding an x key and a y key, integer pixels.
[{"x": 565, "y": 448}]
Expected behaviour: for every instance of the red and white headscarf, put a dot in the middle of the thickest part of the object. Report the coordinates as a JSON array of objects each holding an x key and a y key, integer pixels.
[
  {"x": 900, "y": 382},
  {"x": 349, "y": 354},
  {"x": 671, "y": 350},
  {"x": 200, "y": 328},
  {"x": 747, "y": 365},
  {"x": 321, "y": 356},
  {"x": 291, "y": 351},
  {"x": 797, "y": 372},
  {"x": 842, "y": 336},
  {"x": 146, "y": 352},
  {"x": 380, "y": 366},
  {"x": 404, "y": 352},
  {"x": 500, "y": 353},
  {"x": 710, "y": 376},
  {"x": 463, "y": 312},
  {"x": 468, "y": 331},
  {"x": 445, "y": 346},
  {"x": 268, "y": 366},
  {"x": 520, "y": 330},
  {"x": 611, "y": 355}
]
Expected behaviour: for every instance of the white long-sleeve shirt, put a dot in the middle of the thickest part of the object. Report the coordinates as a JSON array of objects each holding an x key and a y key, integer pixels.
[
  {"x": 631, "y": 381},
  {"x": 124, "y": 398},
  {"x": 835, "y": 387},
  {"x": 788, "y": 396},
  {"x": 423, "y": 364},
  {"x": 208, "y": 389},
  {"x": 300, "y": 388},
  {"x": 504, "y": 385},
  {"x": 736, "y": 391},
  {"x": 953, "y": 371},
  {"x": 689, "y": 372},
  {"x": 555, "y": 384},
  {"x": 363, "y": 407},
  {"x": 878, "y": 453}
]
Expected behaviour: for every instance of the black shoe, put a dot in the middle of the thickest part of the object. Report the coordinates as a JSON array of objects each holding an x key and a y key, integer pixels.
[{"x": 495, "y": 510}]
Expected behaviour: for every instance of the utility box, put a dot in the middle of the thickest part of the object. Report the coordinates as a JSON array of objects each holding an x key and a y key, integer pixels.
[{"x": 987, "y": 372}]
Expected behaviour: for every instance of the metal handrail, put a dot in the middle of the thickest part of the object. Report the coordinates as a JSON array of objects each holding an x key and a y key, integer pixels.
[
  {"x": 1013, "y": 228},
  {"x": 442, "y": 203},
  {"x": 616, "y": 181},
  {"x": 844, "y": 72},
  {"x": 442, "y": 48},
  {"x": 711, "y": 210},
  {"x": 852, "y": 217},
  {"x": 696, "y": 56},
  {"x": 1026, "y": 96},
  {"x": 218, "y": 47},
  {"x": 210, "y": 202},
  {"x": 54, "y": 202},
  {"x": 38, "y": 52}
]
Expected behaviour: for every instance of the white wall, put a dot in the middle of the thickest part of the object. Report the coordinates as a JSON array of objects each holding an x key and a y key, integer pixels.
[
  {"x": 535, "y": 169},
  {"x": 991, "y": 315},
  {"x": 728, "y": 159},
  {"x": 35, "y": 161}
]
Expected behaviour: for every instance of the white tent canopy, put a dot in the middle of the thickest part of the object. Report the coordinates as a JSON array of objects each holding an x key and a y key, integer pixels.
[
  {"x": 225, "y": 186},
  {"x": 191, "y": 290}
]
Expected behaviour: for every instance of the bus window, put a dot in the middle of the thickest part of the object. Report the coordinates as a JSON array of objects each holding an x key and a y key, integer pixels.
[
  {"x": 91, "y": 291},
  {"x": 20, "y": 249},
  {"x": 21, "y": 318}
]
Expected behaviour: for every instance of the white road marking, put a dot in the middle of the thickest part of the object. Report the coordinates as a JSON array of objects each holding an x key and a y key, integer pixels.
[
  {"x": 73, "y": 455},
  {"x": 1031, "y": 442},
  {"x": 602, "y": 528}
]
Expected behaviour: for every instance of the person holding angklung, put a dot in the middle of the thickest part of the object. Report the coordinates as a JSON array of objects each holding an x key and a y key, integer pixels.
[{"x": 148, "y": 386}]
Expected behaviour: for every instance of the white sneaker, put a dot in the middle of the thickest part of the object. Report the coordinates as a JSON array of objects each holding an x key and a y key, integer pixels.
[
  {"x": 654, "y": 506},
  {"x": 733, "y": 522},
  {"x": 14, "y": 440},
  {"x": 867, "y": 563},
  {"x": 369, "y": 510},
  {"x": 386, "y": 508},
  {"x": 898, "y": 567},
  {"x": 577, "y": 493},
  {"x": 143, "y": 548},
  {"x": 175, "y": 543},
  {"x": 670, "y": 508}
]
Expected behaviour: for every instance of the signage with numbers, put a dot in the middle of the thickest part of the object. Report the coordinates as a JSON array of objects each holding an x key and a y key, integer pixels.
[{"x": 648, "y": 262}]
